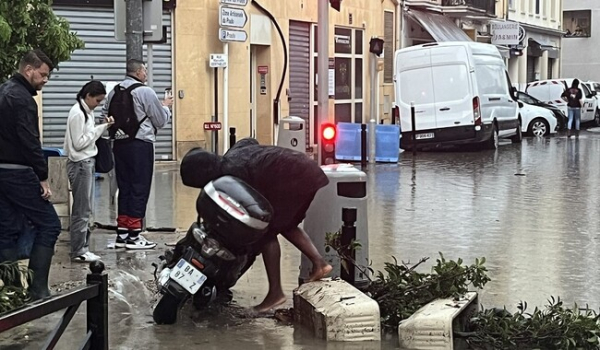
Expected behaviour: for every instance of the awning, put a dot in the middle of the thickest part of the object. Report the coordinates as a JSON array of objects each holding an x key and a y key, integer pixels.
[
  {"x": 441, "y": 28},
  {"x": 537, "y": 45}
]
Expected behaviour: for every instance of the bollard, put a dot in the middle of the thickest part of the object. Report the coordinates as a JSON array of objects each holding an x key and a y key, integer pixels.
[
  {"x": 413, "y": 127},
  {"x": 97, "y": 307},
  {"x": 347, "y": 237},
  {"x": 231, "y": 137},
  {"x": 363, "y": 146}
]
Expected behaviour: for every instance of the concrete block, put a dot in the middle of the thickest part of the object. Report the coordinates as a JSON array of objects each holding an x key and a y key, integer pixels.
[
  {"x": 432, "y": 326},
  {"x": 337, "y": 311}
]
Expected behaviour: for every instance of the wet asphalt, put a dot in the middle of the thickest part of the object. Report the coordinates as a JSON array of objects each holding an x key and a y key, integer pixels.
[{"x": 531, "y": 209}]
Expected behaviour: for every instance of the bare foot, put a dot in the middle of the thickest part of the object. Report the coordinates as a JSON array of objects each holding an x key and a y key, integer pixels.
[
  {"x": 269, "y": 303},
  {"x": 319, "y": 272}
]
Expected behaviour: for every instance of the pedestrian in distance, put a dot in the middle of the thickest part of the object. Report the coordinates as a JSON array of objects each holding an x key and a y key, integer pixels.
[
  {"x": 574, "y": 98},
  {"x": 80, "y": 147},
  {"x": 24, "y": 189},
  {"x": 288, "y": 179},
  {"x": 138, "y": 114}
]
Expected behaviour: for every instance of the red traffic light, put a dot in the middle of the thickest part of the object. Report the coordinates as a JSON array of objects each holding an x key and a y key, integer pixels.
[
  {"x": 336, "y": 4},
  {"x": 328, "y": 132}
]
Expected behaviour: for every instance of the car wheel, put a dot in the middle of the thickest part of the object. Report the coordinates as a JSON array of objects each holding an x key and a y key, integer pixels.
[
  {"x": 597, "y": 117},
  {"x": 539, "y": 127},
  {"x": 518, "y": 138},
  {"x": 494, "y": 140}
]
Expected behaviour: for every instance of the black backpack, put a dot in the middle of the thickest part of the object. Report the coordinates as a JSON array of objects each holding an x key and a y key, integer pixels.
[{"x": 122, "y": 109}]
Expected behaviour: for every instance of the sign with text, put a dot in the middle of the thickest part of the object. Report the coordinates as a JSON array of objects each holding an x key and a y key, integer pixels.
[
  {"x": 218, "y": 60},
  {"x": 212, "y": 126},
  {"x": 228, "y": 35},
  {"x": 234, "y": 2},
  {"x": 232, "y": 17},
  {"x": 505, "y": 33}
]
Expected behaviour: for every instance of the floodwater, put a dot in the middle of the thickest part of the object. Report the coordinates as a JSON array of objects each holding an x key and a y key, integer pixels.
[{"x": 531, "y": 209}]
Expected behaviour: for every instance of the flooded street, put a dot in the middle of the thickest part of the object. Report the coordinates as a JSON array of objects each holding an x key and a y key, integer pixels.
[{"x": 531, "y": 209}]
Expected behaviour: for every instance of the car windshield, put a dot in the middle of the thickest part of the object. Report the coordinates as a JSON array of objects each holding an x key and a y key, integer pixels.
[{"x": 526, "y": 98}]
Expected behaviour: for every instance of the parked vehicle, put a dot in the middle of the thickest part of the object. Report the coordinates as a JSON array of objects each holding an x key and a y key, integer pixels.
[
  {"x": 216, "y": 250},
  {"x": 550, "y": 91},
  {"x": 461, "y": 94},
  {"x": 561, "y": 118},
  {"x": 537, "y": 121}
]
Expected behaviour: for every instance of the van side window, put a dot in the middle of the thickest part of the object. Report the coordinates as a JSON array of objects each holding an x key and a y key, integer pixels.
[
  {"x": 416, "y": 85},
  {"x": 491, "y": 80}
]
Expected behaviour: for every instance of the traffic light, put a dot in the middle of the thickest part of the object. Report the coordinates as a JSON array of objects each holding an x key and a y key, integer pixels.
[
  {"x": 328, "y": 136},
  {"x": 376, "y": 46},
  {"x": 336, "y": 4}
]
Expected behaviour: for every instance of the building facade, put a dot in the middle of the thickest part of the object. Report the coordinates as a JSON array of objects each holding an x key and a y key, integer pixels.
[
  {"x": 538, "y": 54},
  {"x": 581, "y": 57}
]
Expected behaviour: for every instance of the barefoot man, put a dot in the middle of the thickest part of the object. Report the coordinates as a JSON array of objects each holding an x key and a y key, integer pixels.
[{"x": 288, "y": 179}]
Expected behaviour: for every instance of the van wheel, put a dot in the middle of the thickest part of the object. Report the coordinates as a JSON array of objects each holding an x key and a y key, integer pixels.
[
  {"x": 518, "y": 136},
  {"x": 494, "y": 140},
  {"x": 539, "y": 127}
]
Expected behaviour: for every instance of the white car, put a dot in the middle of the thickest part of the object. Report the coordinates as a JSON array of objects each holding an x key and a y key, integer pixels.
[{"x": 537, "y": 121}]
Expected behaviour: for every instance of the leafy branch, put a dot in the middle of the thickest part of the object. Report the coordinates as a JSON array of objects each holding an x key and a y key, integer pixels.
[{"x": 14, "y": 280}]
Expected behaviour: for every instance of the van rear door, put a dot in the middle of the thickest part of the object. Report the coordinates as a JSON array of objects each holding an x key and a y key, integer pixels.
[
  {"x": 415, "y": 84},
  {"x": 452, "y": 86}
]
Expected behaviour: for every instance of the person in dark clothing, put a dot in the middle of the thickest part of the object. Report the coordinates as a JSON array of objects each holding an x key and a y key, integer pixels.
[
  {"x": 574, "y": 98},
  {"x": 288, "y": 179},
  {"x": 24, "y": 189}
]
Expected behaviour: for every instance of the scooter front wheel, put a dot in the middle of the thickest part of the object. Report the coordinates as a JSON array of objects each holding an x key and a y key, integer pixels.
[{"x": 166, "y": 310}]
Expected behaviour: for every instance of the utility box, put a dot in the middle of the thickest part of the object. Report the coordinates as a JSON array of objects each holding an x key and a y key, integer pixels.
[
  {"x": 292, "y": 134},
  {"x": 347, "y": 188}
]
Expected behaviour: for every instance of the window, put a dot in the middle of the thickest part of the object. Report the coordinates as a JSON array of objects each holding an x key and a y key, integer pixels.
[
  {"x": 537, "y": 6},
  {"x": 511, "y": 4},
  {"x": 388, "y": 47},
  {"x": 577, "y": 23},
  {"x": 553, "y": 9}
]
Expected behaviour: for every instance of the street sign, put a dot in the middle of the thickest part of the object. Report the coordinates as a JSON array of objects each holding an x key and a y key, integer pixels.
[
  {"x": 227, "y": 35},
  {"x": 235, "y": 2},
  {"x": 212, "y": 126},
  {"x": 218, "y": 60},
  {"x": 232, "y": 17}
]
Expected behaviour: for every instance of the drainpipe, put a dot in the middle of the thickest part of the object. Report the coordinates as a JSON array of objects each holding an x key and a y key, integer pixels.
[{"x": 400, "y": 37}]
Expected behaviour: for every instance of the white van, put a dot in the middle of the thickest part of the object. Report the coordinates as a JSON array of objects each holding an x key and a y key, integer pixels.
[
  {"x": 461, "y": 93},
  {"x": 550, "y": 92}
]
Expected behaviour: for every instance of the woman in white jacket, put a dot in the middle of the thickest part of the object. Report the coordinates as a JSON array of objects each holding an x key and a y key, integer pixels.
[{"x": 80, "y": 146}]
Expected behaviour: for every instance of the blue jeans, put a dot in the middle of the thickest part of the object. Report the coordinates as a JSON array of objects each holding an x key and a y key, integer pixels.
[
  {"x": 574, "y": 115},
  {"x": 21, "y": 197}
]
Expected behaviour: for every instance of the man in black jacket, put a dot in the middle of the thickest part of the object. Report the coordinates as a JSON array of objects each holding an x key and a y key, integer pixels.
[{"x": 24, "y": 189}]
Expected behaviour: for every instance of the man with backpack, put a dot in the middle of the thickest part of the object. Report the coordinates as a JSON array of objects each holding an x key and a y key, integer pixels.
[
  {"x": 138, "y": 114},
  {"x": 574, "y": 98}
]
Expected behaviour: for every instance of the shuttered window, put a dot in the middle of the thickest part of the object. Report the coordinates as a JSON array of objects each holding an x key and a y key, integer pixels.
[{"x": 388, "y": 47}]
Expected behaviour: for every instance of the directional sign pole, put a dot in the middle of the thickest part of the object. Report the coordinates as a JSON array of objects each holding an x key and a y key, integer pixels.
[
  {"x": 323, "y": 68},
  {"x": 225, "y": 98}
]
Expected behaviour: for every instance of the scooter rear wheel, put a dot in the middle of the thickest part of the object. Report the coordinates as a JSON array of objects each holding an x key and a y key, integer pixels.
[{"x": 166, "y": 310}]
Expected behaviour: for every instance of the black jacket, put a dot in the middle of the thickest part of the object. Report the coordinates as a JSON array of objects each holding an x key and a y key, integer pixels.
[{"x": 19, "y": 130}]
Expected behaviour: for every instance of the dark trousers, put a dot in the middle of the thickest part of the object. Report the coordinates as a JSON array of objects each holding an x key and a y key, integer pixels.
[
  {"x": 20, "y": 199},
  {"x": 134, "y": 165}
]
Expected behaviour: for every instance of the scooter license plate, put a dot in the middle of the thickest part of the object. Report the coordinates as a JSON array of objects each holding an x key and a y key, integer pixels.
[{"x": 187, "y": 276}]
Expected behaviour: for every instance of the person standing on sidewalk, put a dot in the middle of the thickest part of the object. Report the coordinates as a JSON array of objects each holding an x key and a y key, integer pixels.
[
  {"x": 80, "y": 146},
  {"x": 574, "y": 98},
  {"x": 138, "y": 114},
  {"x": 24, "y": 189}
]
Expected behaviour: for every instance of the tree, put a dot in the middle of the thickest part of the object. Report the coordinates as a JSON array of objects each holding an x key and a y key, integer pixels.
[{"x": 31, "y": 24}]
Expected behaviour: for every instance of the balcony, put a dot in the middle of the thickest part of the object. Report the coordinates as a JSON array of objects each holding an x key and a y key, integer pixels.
[{"x": 486, "y": 6}]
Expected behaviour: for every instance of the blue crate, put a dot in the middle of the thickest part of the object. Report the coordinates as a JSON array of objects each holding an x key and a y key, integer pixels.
[
  {"x": 53, "y": 152},
  {"x": 387, "y": 142}
]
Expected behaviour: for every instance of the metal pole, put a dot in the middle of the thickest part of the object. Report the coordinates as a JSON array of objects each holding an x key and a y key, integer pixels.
[
  {"x": 348, "y": 236},
  {"x": 134, "y": 33},
  {"x": 97, "y": 308},
  {"x": 215, "y": 133},
  {"x": 373, "y": 120},
  {"x": 225, "y": 97},
  {"x": 323, "y": 69},
  {"x": 363, "y": 146},
  {"x": 413, "y": 127},
  {"x": 150, "y": 64}
]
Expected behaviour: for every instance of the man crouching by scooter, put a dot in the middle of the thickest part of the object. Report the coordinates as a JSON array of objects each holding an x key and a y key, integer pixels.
[{"x": 288, "y": 179}]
